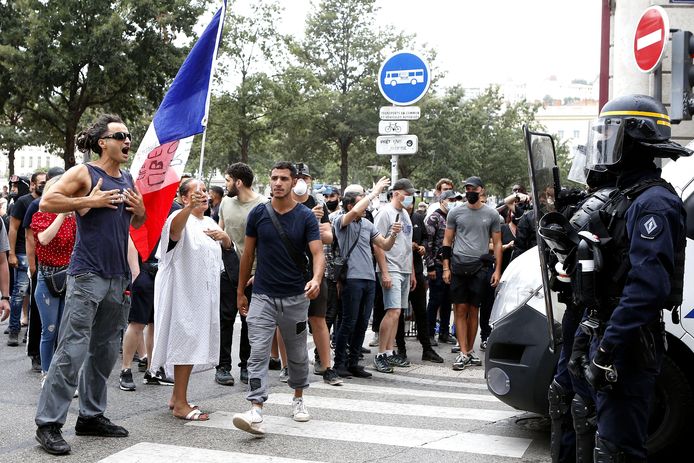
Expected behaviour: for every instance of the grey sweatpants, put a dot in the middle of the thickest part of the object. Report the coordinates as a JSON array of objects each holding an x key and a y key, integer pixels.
[
  {"x": 265, "y": 314},
  {"x": 96, "y": 310}
]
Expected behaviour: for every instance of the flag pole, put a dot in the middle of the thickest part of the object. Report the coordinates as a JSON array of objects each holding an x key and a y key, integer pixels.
[{"x": 222, "y": 17}]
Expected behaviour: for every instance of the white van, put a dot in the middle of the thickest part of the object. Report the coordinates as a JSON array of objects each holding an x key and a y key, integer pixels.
[{"x": 519, "y": 365}]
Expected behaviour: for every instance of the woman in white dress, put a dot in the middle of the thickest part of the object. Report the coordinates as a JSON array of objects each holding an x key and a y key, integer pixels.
[{"x": 186, "y": 295}]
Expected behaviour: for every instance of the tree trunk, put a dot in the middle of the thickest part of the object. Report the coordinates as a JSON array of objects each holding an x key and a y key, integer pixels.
[
  {"x": 245, "y": 147},
  {"x": 10, "y": 158},
  {"x": 69, "y": 154},
  {"x": 344, "y": 164}
]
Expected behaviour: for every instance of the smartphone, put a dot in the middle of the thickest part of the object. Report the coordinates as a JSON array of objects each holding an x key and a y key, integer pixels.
[{"x": 397, "y": 218}]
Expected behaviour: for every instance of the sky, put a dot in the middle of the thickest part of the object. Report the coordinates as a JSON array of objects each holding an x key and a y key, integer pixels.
[{"x": 484, "y": 42}]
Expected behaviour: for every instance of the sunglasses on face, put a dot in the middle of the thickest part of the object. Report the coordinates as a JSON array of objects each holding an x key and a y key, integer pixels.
[{"x": 120, "y": 136}]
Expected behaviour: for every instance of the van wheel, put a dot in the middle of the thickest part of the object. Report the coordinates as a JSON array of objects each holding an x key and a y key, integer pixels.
[{"x": 673, "y": 403}]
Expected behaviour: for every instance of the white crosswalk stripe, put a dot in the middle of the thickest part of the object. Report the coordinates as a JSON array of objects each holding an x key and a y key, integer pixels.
[{"x": 459, "y": 403}]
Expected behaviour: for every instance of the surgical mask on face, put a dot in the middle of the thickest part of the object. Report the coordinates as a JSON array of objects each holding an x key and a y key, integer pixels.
[
  {"x": 472, "y": 196},
  {"x": 301, "y": 187},
  {"x": 451, "y": 206},
  {"x": 407, "y": 201}
]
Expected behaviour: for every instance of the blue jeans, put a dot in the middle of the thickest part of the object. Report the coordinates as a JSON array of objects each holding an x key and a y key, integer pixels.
[
  {"x": 19, "y": 290},
  {"x": 357, "y": 303},
  {"x": 51, "y": 311}
]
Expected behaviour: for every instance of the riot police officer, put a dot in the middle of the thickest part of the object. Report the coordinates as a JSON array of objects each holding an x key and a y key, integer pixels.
[{"x": 628, "y": 268}]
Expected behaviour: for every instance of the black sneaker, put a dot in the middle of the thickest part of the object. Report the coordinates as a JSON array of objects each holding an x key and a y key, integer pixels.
[
  {"x": 159, "y": 378},
  {"x": 244, "y": 375},
  {"x": 36, "y": 363},
  {"x": 446, "y": 338},
  {"x": 397, "y": 360},
  {"x": 483, "y": 345},
  {"x": 126, "y": 382},
  {"x": 223, "y": 377},
  {"x": 13, "y": 339},
  {"x": 275, "y": 364},
  {"x": 381, "y": 364},
  {"x": 358, "y": 371},
  {"x": 343, "y": 372},
  {"x": 142, "y": 365},
  {"x": 431, "y": 356},
  {"x": 51, "y": 439},
  {"x": 98, "y": 426},
  {"x": 331, "y": 377},
  {"x": 364, "y": 350}
]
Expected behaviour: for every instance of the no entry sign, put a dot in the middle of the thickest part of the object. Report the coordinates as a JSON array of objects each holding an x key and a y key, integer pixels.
[{"x": 650, "y": 38}]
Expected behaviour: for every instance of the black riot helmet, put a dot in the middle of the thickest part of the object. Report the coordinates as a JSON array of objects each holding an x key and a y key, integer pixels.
[{"x": 638, "y": 119}]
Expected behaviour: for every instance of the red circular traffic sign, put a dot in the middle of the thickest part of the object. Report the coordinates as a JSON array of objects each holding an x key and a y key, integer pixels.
[{"x": 650, "y": 38}]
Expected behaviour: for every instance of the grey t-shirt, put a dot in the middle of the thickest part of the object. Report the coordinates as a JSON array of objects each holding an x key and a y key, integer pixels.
[
  {"x": 399, "y": 258},
  {"x": 234, "y": 214},
  {"x": 360, "y": 263},
  {"x": 4, "y": 242},
  {"x": 473, "y": 228}
]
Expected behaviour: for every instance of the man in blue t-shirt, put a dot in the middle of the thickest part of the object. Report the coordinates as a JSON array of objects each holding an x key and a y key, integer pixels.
[{"x": 281, "y": 293}]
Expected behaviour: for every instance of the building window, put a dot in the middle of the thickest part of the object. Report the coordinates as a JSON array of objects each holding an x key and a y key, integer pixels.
[
  {"x": 31, "y": 162},
  {"x": 48, "y": 161},
  {"x": 577, "y": 133},
  {"x": 38, "y": 162},
  {"x": 560, "y": 134},
  {"x": 22, "y": 162}
]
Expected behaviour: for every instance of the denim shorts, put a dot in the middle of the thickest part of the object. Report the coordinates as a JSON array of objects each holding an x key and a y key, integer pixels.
[{"x": 397, "y": 297}]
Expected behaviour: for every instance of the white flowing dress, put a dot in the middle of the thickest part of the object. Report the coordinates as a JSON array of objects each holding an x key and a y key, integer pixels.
[{"x": 186, "y": 298}]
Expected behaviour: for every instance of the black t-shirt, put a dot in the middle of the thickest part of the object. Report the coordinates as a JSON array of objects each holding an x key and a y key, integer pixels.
[
  {"x": 506, "y": 237},
  {"x": 311, "y": 203},
  {"x": 18, "y": 212},
  {"x": 418, "y": 237}
]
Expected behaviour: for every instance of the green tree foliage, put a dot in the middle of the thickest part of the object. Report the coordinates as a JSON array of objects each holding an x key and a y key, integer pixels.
[{"x": 115, "y": 56}]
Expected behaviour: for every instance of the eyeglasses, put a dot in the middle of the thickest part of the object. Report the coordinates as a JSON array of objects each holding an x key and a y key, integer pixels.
[{"x": 120, "y": 136}]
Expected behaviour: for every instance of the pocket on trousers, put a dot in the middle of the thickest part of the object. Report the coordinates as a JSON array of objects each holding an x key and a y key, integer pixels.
[{"x": 301, "y": 327}]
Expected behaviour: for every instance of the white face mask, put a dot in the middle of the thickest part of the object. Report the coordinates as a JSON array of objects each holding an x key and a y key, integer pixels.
[
  {"x": 407, "y": 201},
  {"x": 451, "y": 206},
  {"x": 301, "y": 187}
]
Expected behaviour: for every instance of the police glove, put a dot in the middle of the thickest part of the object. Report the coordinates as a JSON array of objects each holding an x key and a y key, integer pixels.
[
  {"x": 578, "y": 362},
  {"x": 601, "y": 373}
]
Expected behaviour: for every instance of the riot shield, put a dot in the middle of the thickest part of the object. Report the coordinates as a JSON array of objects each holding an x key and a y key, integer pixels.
[{"x": 544, "y": 179}]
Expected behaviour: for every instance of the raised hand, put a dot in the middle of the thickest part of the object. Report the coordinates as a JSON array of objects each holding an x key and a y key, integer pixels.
[{"x": 381, "y": 185}]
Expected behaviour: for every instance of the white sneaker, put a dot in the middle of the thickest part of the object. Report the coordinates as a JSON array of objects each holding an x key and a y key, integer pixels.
[
  {"x": 250, "y": 421},
  {"x": 374, "y": 341},
  {"x": 284, "y": 375},
  {"x": 300, "y": 413}
]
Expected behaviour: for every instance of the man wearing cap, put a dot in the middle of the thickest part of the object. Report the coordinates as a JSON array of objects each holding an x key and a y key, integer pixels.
[
  {"x": 468, "y": 230},
  {"x": 396, "y": 272},
  {"x": 318, "y": 307},
  {"x": 439, "y": 291}
]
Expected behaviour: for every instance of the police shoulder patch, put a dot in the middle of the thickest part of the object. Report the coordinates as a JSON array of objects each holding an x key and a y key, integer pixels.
[{"x": 650, "y": 226}]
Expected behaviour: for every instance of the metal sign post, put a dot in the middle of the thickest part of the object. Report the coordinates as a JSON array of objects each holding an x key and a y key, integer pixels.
[{"x": 394, "y": 168}]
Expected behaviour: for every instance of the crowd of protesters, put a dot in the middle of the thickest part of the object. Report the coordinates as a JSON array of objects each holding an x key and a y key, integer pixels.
[{"x": 300, "y": 261}]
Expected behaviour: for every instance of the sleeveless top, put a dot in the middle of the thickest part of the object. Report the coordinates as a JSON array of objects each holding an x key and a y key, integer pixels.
[{"x": 102, "y": 233}]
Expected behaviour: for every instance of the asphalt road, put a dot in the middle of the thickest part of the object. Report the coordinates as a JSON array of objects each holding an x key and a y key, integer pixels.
[{"x": 424, "y": 413}]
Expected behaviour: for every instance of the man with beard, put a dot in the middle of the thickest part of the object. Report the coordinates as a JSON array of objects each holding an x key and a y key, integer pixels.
[
  {"x": 97, "y": 300},
  {"x": 233, "y": 214},
  {"x": 18, "y": 254}
]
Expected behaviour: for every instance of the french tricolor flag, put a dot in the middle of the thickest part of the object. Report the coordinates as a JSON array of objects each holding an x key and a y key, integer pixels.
[{"x": 162, "y": 154}]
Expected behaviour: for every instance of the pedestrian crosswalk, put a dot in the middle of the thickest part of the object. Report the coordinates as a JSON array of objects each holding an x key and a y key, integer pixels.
[{"x": 455, "y": 418}]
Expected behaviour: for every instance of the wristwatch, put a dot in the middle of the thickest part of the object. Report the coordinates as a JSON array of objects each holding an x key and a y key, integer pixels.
[{"x": 5, "y": 298}]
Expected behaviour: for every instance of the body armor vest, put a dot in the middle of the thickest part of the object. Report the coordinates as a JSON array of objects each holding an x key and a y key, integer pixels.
[{"x": 604, "y": 215}]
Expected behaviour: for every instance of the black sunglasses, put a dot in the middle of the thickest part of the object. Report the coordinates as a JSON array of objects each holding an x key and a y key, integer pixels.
[{"x": 120, "y": 136}]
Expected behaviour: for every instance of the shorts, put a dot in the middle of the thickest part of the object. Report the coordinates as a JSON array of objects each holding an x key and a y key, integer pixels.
[
  {"x": 398, "y": 296},
  {"x": 319, "y": 306},
  {"x": 142, "y": 306},
  {"x": 469, "y": 289}
]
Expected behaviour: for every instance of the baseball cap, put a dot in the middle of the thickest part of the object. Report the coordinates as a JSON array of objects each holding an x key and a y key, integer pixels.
[
  {"x": 354, "y": 188},
  {"x": 329, "y": 190},
  {"x": 404, "y": 185},
  {"x": 450, "y": 194},
  {"x": 302, "y": 170},
  {"x": 474, "y": 181},
  {"x": 54, "y": 172}
]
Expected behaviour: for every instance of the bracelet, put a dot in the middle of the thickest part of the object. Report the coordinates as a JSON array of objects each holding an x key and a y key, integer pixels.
[
  {"x": 446, "y": 270},
  {"x": 5, "y": 298}
]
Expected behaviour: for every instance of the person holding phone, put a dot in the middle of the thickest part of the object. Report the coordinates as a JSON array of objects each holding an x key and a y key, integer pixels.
[
  {"x": 186, "y": 295},
  {"x": 396, "y": 271}
]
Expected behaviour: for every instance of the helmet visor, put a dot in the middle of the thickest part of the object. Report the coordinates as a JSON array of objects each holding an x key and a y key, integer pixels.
[
  {"x": 605, "y": 140},
  {"x": 578, "y": 172}
]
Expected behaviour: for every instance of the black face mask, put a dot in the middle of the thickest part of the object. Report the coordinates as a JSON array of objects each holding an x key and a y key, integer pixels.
[
  {"x": 39, "y": 190},
  {"x": 332, "y": 205},
  {"x": 14, "y": 195},
  {"x": 472, "y": 196}
]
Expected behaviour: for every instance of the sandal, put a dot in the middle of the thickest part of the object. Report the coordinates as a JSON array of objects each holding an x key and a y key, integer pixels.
[
  {"x": 193, "y": 406},
  {"x": 194, "y": 415}
]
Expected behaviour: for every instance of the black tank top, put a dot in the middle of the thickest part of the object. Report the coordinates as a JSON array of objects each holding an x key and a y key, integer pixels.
[{"x": 101, "y": 246}]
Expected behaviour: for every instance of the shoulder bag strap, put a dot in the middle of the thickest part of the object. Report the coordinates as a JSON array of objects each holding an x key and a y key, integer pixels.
[
  {"x": 349, "y": 252},
  {"x": 296, "y": 257}
]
